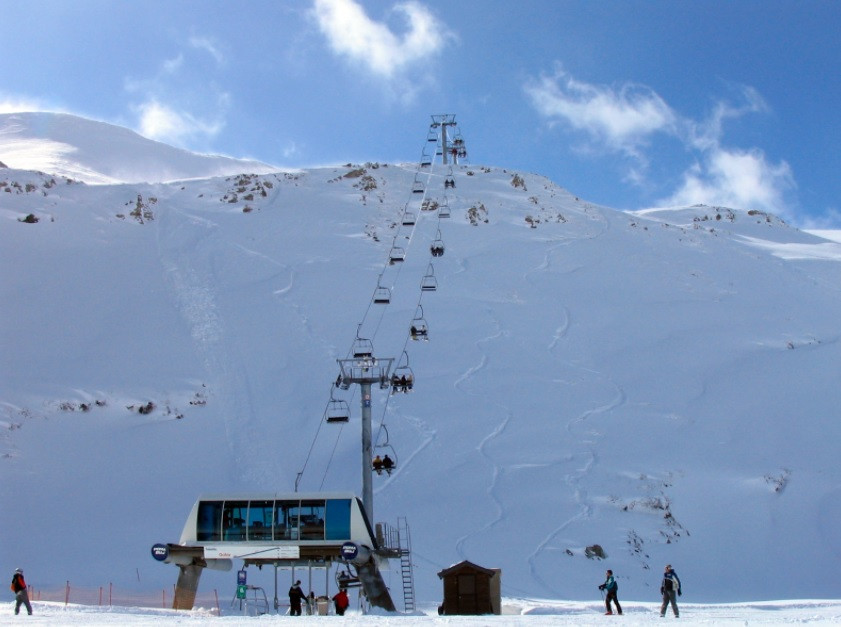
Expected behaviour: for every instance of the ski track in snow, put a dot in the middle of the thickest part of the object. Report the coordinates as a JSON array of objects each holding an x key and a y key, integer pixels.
[
  {"x": 192, "y": 279},
  {"x": 496, "y": 470}
]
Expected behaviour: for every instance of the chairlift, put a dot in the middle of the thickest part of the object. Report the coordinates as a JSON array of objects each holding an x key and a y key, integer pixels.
[
  {"x": 429, "y": 283},
  {"x": 429, "y": 205},
  {"x": 362, "y": 348},
  {"x": 419, "y": 329},
  {"x": 402, "y": 379},
  {"x": 437, "y": 247},
  {"x": 444, "y": 211},
  {"x": 396, "y": 255},
  {"x": 417, "y": 187},
  {"x": 449, "y": 182},
  {"x": 344, "y": 579},
  {"x": 408, "y": 218},
  {"x": 432, "y": 136},
  {"x": 338, "y": 411},
  {"x": 382, "y": 295},
  {"x": 387, "y": 462}
]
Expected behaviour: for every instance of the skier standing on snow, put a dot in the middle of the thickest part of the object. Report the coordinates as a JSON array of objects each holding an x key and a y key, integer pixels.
[
  {"x": 670, "y": 589},
  {"x": 612, "y": 587},
  {"x": 21, "y": 595}
]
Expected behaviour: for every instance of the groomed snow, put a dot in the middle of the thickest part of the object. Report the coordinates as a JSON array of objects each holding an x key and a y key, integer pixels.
[{"x": 516, "y": 613}]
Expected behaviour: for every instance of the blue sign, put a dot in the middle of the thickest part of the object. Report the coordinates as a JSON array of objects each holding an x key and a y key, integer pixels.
[
  {"x": 349, "y": 551},
  {"x": 241, "y": 575},
  {"x": 160, "y": 552}
]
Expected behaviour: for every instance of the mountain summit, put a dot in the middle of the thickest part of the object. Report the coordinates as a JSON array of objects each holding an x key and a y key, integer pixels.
[{"x": 101, "y": 153}]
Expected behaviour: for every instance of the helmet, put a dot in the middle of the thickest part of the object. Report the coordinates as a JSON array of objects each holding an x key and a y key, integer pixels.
[{"x": 19, "y": 570}]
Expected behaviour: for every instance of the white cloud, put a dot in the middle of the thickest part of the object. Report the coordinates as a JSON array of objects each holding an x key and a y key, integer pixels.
[
  {"x": 622, "y": 119},
  {"x": 209, "y": 46},
  {"x": 353, "y": 34},
  {"x": 164, "y": 123},
  {"x": 736, "y": 178},
  {"x": 19, "y": 104}
]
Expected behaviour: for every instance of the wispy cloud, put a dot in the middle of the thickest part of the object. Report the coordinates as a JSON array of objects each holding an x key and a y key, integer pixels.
[
  {"x": 165, "y": 123},
  {"x": 621, "y": 119},
  {"x": 19, "y": 104},
  {"x": 180, "y": 103},
  {"x": 626, "y": 118},
  {"x": 209, "y": 46},
  {"x": 352, "y": 34}
]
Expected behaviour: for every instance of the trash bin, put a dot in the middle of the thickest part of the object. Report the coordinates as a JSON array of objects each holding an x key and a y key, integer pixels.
[{"x": 323, "y": 605}]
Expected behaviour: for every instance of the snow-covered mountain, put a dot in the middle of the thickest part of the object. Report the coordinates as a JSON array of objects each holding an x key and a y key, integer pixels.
[
  {"x": 101, "y": 153},
  {"x": 654, "y": 387}
]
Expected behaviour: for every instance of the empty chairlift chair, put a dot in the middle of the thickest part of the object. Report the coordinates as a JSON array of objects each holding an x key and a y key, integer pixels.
[
  {"x": 337, "y": 411},
  {"x": 396, "y": 255},
  {"x": 429, "y": 283},
  {"x": 417, "y": 187},
  {"x": 408, "y": 218},
  {"x": 382, "y": 295}
]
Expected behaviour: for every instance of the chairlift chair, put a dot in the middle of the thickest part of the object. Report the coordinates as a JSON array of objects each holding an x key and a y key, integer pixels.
[
  {"x": 396, "y": 255},
  {"x": 408, "y": 218},
  {"x": 382, "y": 295},
  {"x": 403, "y": 379},
  {"x": 338, "y": 411},
  {"x": 419, "y": 329},
  {"x": 362, "y": 348},
  {"x": 417, "y": 187},
  {"x": 444, "y": 211},
  {"x": 437, "y": 247},
  {"x": 449, "y": 182},
  {"x": 388, "y": 461},
  {"x": 429, "y": 283}
]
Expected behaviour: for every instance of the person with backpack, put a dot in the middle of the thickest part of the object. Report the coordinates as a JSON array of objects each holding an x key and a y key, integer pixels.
[
  {"x": 21, "y": 595},
  {"x": 612, "y": 588},
  {"x": 670, "y": 589}
]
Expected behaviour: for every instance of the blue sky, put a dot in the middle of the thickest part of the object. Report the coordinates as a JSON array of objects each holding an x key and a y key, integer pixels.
[{"x": 625, "y": 103}]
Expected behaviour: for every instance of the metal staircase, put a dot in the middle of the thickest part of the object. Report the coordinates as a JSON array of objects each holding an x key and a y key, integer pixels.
[{"x": 405, "y": 545}]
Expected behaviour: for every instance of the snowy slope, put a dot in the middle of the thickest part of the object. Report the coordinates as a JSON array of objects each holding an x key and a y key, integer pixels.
[
  {"x": 661, "y": 384},
  {"x": 97, "y": 152}
]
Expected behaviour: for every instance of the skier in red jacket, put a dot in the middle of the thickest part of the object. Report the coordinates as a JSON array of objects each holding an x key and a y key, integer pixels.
[{"x": 21, "y": 595}]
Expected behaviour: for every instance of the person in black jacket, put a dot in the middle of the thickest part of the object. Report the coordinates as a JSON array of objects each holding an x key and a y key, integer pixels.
[
  {"x": 21, "y": 595},
  {"x": 296, "y": 595},
  {"x": 670, "y": 589}
]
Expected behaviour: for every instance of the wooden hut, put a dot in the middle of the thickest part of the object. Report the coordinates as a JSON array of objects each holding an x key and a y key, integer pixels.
[{"x": 470, "y": 589}]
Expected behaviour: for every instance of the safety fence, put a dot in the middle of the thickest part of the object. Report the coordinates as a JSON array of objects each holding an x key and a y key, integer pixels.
[{"x": 109, "y": 596}]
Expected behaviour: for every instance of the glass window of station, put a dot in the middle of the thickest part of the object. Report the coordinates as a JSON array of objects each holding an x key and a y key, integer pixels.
[{"x": 265, "y": 520}]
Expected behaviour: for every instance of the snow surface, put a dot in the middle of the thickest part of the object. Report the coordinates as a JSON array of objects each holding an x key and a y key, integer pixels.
[
  {"x": 662, "y": 384},
  {"x": 516, "y": 613}
]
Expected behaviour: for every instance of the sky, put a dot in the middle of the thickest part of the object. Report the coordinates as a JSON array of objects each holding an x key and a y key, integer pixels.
[{"x": 629, "y": 104}]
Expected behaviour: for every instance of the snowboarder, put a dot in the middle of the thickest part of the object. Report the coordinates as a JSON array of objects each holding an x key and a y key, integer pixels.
[
  {"x": 342, "y": 602},
  {"x": 21, "y": 595},
  {"x": 296, "y": 595},
  {"x": 670, "y": 589},
  {"x": 377, "y": 463},
  {"x": 612, "y": 587}
]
